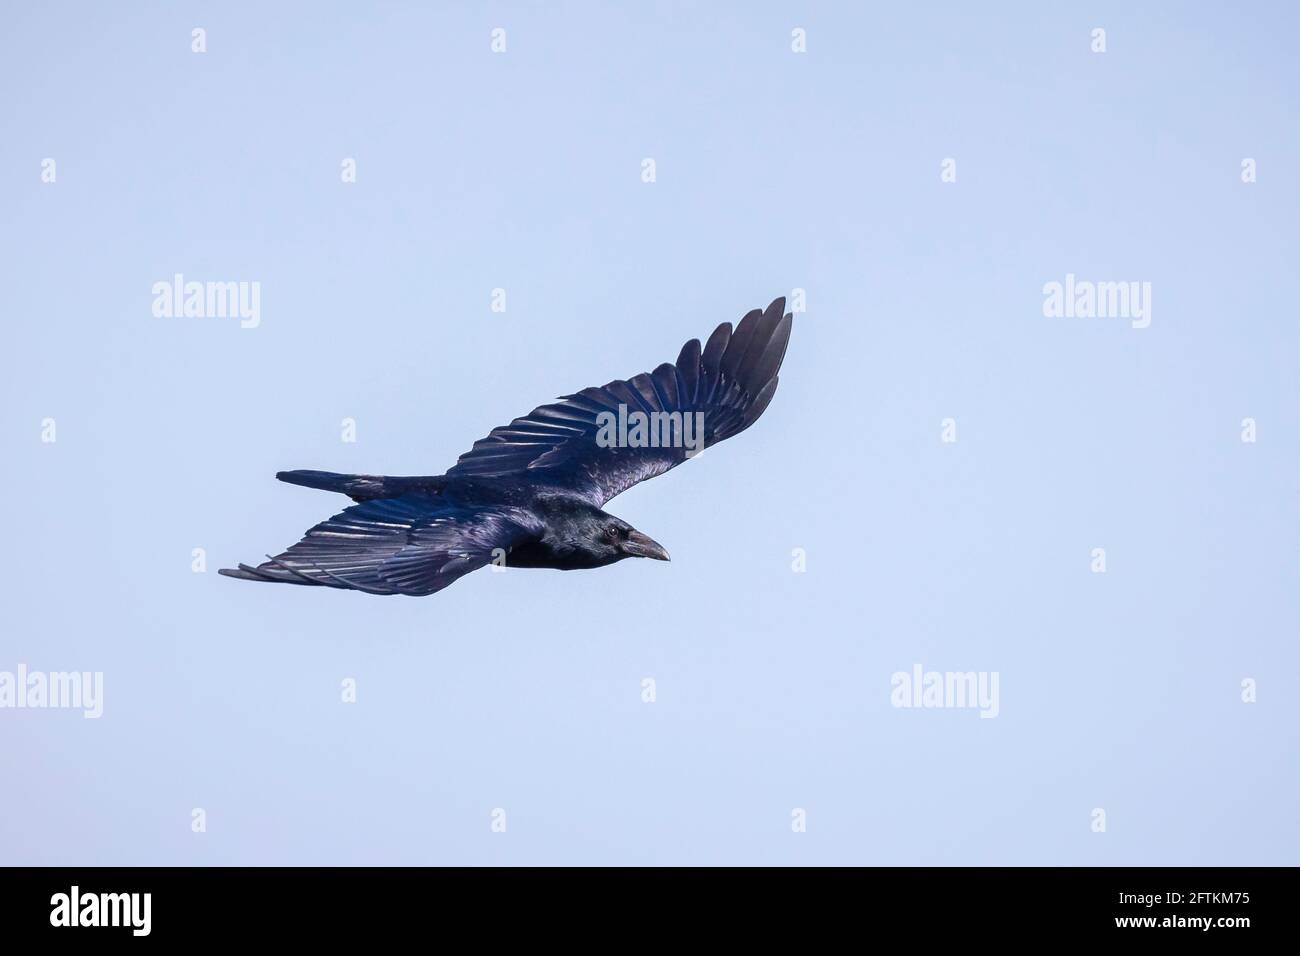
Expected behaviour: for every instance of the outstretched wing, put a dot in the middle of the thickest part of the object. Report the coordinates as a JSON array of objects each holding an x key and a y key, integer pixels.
[
  {"x": 723, "y": 389},
  {"x": 414, "y": 544}
]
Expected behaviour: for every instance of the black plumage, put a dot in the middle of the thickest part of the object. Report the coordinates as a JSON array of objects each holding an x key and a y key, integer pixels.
[{"x": 531, "y": 493}]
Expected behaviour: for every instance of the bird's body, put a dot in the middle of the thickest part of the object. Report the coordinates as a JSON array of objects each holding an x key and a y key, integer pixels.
[{"x": 531, "y": 494}]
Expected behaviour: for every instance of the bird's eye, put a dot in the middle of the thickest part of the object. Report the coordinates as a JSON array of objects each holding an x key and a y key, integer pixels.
[{"x": 612, "y": 533}]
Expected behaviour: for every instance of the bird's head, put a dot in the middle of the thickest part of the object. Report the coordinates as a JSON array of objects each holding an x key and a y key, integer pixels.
[
  {"x": 594, "y": 538},
  {"x": 627, "y": 542}
]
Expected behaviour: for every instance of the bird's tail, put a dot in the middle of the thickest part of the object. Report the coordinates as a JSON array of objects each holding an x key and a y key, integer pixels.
[
  {"x": 357, "y": 487},
  {"x": 362, "y": 487}
]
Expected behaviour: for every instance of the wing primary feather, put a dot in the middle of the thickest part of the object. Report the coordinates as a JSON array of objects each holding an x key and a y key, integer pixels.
[
  {"x": 739, "y": 343},
  {"x": 757, "y": 344},
  {"x": 766, "y": 365},
  {"x": 688, "y": 372},
  {"x": 711, "y": 363},
  {"x": 291, "y": 571},
  {"x": 760, "y": 403}
]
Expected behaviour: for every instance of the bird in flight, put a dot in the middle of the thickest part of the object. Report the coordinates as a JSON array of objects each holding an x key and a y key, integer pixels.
[{"x": 531, "y": 494}]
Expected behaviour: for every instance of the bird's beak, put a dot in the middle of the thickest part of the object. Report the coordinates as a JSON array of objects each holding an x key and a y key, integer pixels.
[{"x": 643, "y": 546}]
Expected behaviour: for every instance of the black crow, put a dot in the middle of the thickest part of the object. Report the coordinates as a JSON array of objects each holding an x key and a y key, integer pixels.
[{"x": 530, "y": 494}]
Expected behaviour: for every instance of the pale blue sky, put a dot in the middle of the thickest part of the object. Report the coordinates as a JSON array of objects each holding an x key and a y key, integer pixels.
[{"x": 775, "y": 170}]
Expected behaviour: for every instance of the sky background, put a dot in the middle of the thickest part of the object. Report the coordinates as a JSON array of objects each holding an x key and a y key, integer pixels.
[{"x": 775, "y": 171}]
